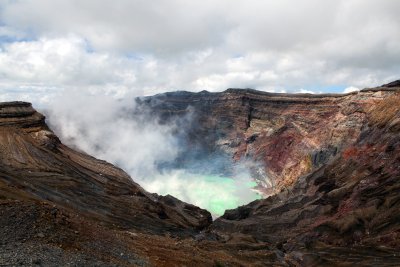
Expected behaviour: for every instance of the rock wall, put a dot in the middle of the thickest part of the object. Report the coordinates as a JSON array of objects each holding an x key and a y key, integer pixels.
[
  {"x": 290, "y": 134},
  {"x": 350, "y": 202}
]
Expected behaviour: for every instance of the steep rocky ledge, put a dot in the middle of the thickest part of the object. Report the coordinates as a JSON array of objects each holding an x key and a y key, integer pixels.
[
  {"x": 333, "y": 161},
  {"x": 346, "y": 211},
  {"x": 35, "y": 165}
]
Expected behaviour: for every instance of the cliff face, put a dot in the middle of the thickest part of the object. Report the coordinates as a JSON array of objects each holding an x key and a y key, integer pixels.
[
  {"x": 333, "y": 176},
  {"x": 290, "y": 135},
  {"x": 350, "y": 202}
]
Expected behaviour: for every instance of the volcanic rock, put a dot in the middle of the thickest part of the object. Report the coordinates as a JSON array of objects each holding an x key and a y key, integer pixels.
[
  {"x": 392, "y": 84},
  {"x": 35, "y": 165},
  {"x": 351, "y": 202},
  {"x": 333, "y": 177},
  {"x": 291, "y": 135}
]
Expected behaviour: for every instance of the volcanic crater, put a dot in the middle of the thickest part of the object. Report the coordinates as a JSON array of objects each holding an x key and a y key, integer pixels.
[{"x": 327, "y": 167}]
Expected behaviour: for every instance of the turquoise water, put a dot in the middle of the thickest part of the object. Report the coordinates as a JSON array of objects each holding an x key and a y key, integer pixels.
[
  {"x": 222, "y": 193},
  {"x": 214, "y": 193}
]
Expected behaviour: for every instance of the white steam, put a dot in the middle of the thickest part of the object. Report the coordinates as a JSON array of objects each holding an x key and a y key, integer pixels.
[
  {"x": 108, "y": 128},
  {"x": 105, "y": 127}
]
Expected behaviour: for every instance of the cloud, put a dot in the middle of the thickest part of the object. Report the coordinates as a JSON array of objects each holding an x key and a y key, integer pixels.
[
  {"x": 45, "y": 66},
  {"x": 304, "y": 91},
  {"x": 351, "y": 89},
  {"x": 126, "y": 25},
  {"x": 195, "y": 45},
  {"x": 106, "y": 127}
]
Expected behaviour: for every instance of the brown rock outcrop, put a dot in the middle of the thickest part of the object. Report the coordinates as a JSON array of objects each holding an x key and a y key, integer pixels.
[{"x": 351, "y": 202}]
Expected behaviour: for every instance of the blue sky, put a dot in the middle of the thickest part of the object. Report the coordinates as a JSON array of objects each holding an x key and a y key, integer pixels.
[{"x": 133, "y": 47}]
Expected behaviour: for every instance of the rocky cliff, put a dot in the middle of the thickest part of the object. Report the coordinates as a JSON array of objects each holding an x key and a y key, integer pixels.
[
  {"x": 346, "y": 210},
  {"x": 289, "y": 134},
  {"x": 331, "y": 171}
]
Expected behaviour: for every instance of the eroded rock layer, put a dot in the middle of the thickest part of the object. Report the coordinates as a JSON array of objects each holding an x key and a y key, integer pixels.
[
  {"x": 289, "y": 134},
  {"x": 346, "y": 211},
  {"x": 35, "y": 165}
]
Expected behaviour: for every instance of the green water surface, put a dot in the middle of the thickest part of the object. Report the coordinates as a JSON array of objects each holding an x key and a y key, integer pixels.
[
  {"x": 212, "y": 192},
  {"x": 222, "y": 193}
]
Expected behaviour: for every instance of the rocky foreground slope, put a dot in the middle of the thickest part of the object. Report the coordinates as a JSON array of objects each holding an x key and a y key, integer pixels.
[{"x": 332, "y": 165}]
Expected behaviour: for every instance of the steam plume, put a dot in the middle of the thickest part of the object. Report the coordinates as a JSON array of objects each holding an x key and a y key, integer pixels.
[{"x": 112, "y": 129}]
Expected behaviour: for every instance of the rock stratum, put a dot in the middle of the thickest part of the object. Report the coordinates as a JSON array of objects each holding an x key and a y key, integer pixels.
[{"x": 331, "y": 177}]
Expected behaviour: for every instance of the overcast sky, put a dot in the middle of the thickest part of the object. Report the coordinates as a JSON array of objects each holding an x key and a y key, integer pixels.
[{"x": 144, "y": 47}]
